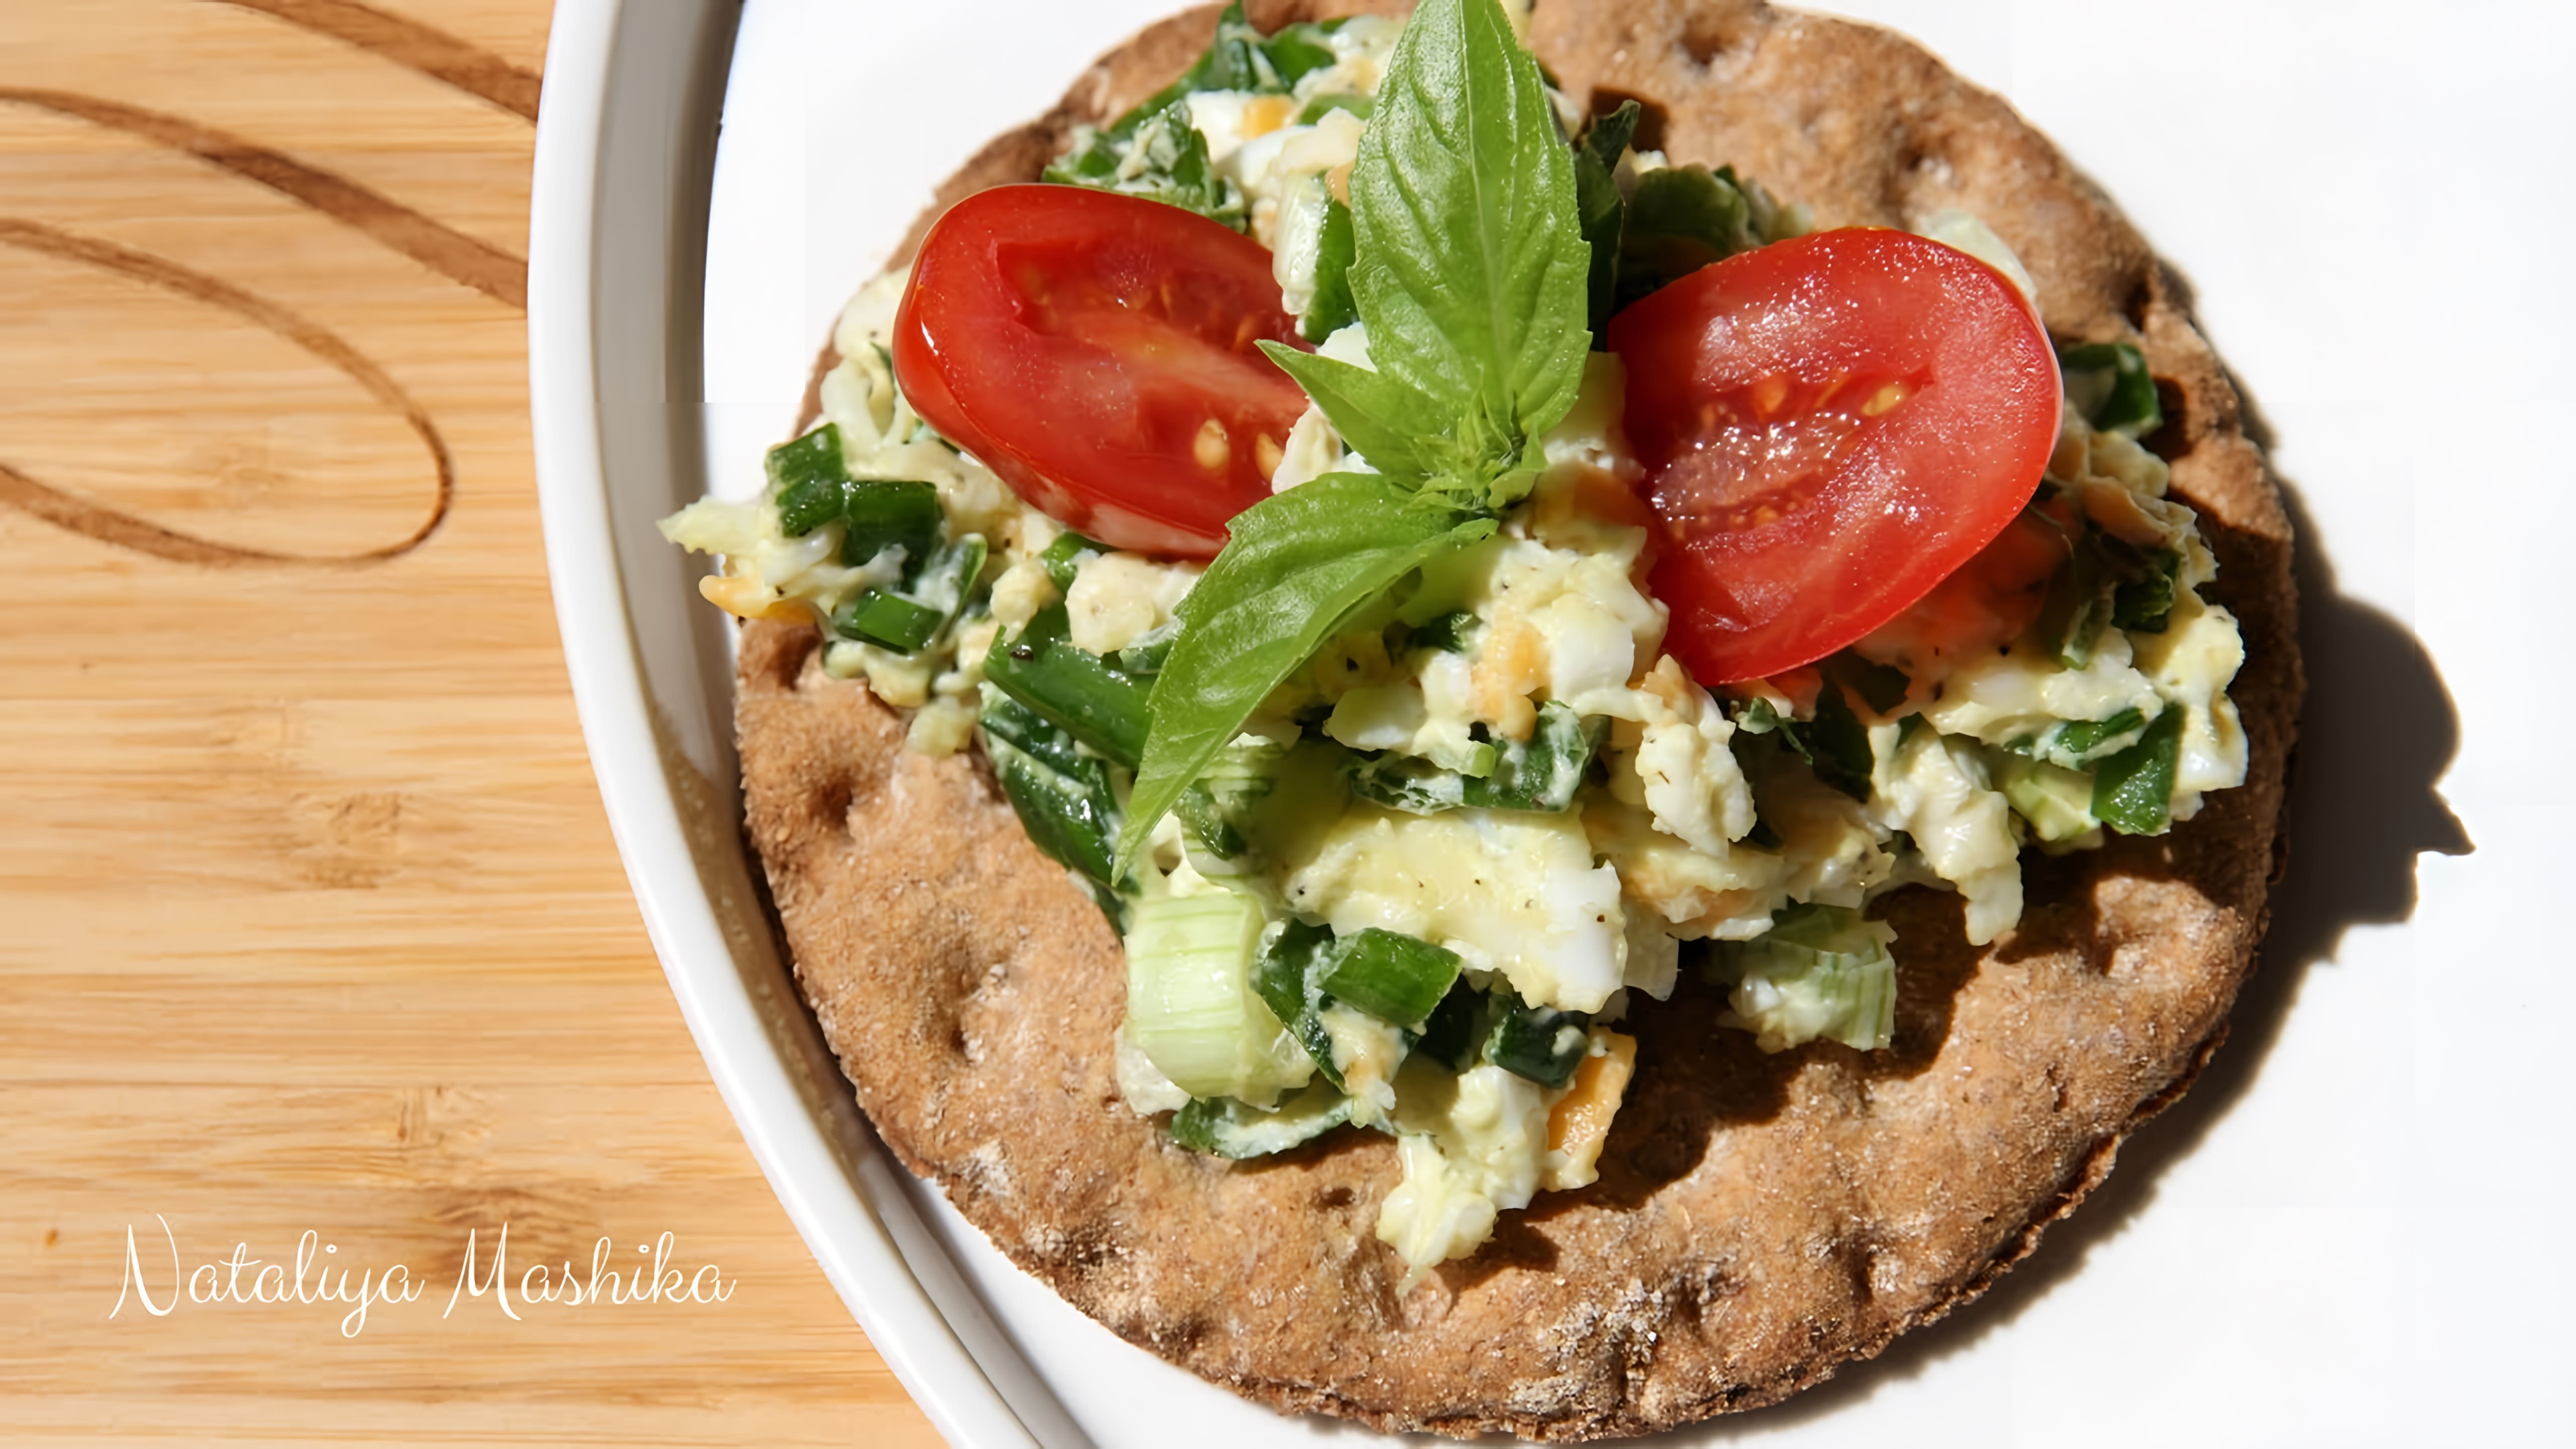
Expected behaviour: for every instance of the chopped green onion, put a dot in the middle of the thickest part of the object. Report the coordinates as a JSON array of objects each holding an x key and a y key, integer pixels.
[
  {"x": 1541, "y": 1043},
  {"x": 1758, "y": 717},
  {"x": 1101, "y": 704},
  {"x": 1031, "y": 733},
  {"x": 2109, "y": 384},
  {"x": 1208, "y": 825},
  {"x": 1606, "y": 136},
  {"x": 1450, "y": 633},
  {"x": 1539, "y": 774},
  {"x": 1147, "y": 653},
  {"x": 890, "y": 515},
  {"x": 1289, "y": 981},
  {"x": 1156, "y": 152},
  {"x": 1836, "y": 743},
  {"x": 810, "y": 477},
  {"x": 2142, "y": 603},
  {"x": 1241, "y": 58},
  {"x": 813, "y": 458},
  {"x": 2078, "y": 605},
  {"x": 1395, "y": 978},
  {"x": 1822, "y": 971},
  {"x": 2077, "y": 741},
  {"x": 908, "y": 622},
  {"x": 1224, "y": 1127},
  {"x": 888, "y": 619},
  {"x": 1064, "y": 556},
  {"x": 2058, "y": 802},
  {"x": 1191, "y": 1006},
  {"x": 1452, "y": 1035},
  {"x": 804, "y": 507},
  {"x": 2133, "y": 790},
  {"x": 1216, "y": 803},
  {"x": 1063, "y": 797}
]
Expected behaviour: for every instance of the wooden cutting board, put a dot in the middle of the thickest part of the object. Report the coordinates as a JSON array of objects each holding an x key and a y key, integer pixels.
[{"x": 309, "y": 917}]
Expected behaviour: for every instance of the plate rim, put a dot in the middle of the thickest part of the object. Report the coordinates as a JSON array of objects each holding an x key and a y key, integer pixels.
[{"x": 836, "y": 1184}]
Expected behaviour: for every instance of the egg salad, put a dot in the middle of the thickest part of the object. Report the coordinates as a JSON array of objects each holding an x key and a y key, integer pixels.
[{"x": 1490, "y": 818}]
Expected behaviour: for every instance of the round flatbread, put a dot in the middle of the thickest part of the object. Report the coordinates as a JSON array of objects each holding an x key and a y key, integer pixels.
[{"x": 1759, "y": 1220}]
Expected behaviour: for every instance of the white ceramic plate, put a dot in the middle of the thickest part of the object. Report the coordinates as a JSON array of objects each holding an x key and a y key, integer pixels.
[{"x": 2258, "y": 1270}]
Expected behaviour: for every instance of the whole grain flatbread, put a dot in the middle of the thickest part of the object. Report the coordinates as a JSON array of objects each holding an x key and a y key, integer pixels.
[{"x": 1759, "y": 1220}]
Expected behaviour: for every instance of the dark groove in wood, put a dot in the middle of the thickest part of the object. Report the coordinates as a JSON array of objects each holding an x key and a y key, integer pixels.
[
  {"x": 115, "y": 526},
  {"x": 412, "y": 45},
  {"x": 452, "y": 254}
]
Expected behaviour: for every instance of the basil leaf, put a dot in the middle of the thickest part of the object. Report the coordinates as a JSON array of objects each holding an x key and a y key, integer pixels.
[
  {"x": 1380, "y": 418},
  {"x": 1472, "y": 270},
  {"x": 1606, "y": 139},
  {"x": 1681, "y": 219},
  {"x": 1332, "y": 310},
  {"x": 1300, "y": 565},
  {"x": 1599, "y": 210}
]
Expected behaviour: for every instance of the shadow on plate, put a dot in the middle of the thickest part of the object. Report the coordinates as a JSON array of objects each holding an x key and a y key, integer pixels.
[{"x": 2376, "y": 735}]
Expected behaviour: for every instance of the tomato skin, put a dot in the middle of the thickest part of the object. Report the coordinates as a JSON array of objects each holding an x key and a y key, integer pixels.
[
  {"x": 1098, "y": 353},
  {"x": 1830, "y": 426}
]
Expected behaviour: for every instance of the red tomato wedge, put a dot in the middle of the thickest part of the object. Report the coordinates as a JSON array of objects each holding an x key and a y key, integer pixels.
[
  {"x": 1830, "y": 426},
  {"x": 1099, "y": 353}
]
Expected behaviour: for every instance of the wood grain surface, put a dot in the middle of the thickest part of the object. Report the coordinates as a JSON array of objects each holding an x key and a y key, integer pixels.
[{"x": 309, "y": 917}]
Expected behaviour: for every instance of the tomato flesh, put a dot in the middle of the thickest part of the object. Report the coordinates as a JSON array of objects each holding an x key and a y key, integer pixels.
[
  {"x": 1830, "y": 426},
  {"x": 1099, "y": 353}
]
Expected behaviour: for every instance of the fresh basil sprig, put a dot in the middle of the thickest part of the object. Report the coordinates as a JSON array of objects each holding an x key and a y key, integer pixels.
[
  {"x": 1599, "y": 207},
  {"x": 1471, "y": 271},
  {"x": 1470, "y": 274}
]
